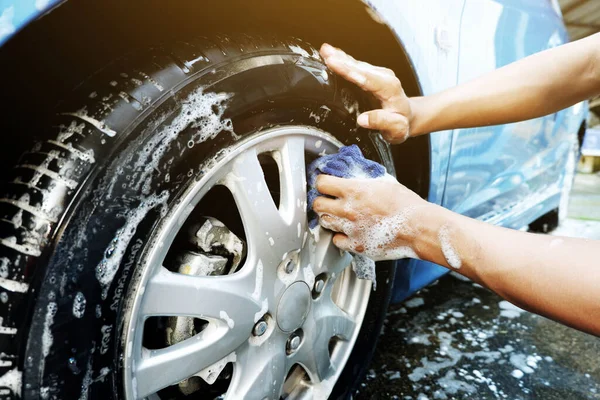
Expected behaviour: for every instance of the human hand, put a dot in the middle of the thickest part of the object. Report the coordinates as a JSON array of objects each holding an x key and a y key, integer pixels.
[
  {"x": 394, "y": 118},
  {"x": 374, "y": 217}
]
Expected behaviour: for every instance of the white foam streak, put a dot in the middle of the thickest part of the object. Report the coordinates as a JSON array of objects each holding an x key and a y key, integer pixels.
[
  {"x": 12, "y": 380},
  {"x": 448, "y": 249},
  {"x": 108, "y": 267}
]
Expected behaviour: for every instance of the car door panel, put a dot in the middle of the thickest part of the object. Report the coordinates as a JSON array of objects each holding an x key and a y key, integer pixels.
[{"x": 492, "y": 169}]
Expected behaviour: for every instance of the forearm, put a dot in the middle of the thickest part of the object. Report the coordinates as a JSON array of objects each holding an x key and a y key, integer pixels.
[
  {"x": 538, "y": 85},
  {"x": 555, "y": 277}
]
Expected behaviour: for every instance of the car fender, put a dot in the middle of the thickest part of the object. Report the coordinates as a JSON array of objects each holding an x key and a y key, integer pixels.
[
  {"x": 429, "y": 31},
  {"x": 16, "y": 14}
]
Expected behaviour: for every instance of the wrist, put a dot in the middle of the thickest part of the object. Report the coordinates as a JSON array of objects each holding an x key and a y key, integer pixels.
[
  {"x": 418, "y": 121},
  {"x": 445, "y": 238},
  {"x": 427, "y": 221}
]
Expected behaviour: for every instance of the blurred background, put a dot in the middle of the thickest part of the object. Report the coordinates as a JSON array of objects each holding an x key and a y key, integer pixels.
[{"x": 582, "y": 18}]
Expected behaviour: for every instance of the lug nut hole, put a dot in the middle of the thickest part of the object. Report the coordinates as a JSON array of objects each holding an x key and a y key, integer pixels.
[
  {"x": 319, "y": 286},
  {"x": 294, "y": 341}
]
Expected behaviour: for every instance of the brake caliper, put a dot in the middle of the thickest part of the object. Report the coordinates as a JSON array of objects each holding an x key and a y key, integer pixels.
[{"x": 218, "y": 251}]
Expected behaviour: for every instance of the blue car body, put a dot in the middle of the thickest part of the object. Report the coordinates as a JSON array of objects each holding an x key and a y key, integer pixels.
[{"x": 508, "y": 175}]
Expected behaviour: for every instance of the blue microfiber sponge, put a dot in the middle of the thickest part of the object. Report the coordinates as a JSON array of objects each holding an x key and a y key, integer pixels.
[{"x": 348, "y": 162}]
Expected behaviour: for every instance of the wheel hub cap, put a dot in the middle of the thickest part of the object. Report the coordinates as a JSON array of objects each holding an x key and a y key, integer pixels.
[{"x": 293, "y": 307}]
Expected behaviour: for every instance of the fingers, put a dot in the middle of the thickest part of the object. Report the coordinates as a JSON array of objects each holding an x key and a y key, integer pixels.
[
  {"x": 343, "y": 242},
  {"x": 327, "y": 50},
  {"x": 332, "y": 186},
  {"x": 342, "y": 65},
  {"x": 324, "y": 205},
  {"x": 332, "y": 223},
  {"x": 382, "y": 82},
  {"x": 393, "y": 126}
]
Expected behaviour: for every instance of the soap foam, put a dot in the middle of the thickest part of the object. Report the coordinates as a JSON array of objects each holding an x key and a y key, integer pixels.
[
  {"x": 227, "y": 318},
  {"x": 509, "y": 310},
  {"x": 47, "y": 337},
  {"x": 372, "y": 238},
  {"x": 376, "y": 237},
  {"x": 108, "y": 267},
  {"x": 448, "y": 250},
  {"x": 200, "y": 111},
  {"x": 517, "y": 373},
  {"x": 520, "y": 361},
  {"x": 12, "y": 380},
  {"x": 79, "y": 305},
  {"x": 309, "y": 275},
  {"x": 212, "y": 372},
  {"x": 263, "y": 310},
  {"x": 259, "y": 281}
]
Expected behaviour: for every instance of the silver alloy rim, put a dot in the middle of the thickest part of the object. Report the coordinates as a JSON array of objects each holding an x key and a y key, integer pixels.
[{"x": 313, "y": 329}]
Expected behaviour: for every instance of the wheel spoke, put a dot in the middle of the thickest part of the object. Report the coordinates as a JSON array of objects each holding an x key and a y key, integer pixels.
[
  {"x": 259, "y": 371},
  {"x": 158, "y": 369},
  {"x": 261, "y": 218},
  {"x": 293, "y": 183},
  {"x": 226, "y": 299},
  {"x": 326, "y": 322},
  {"x": 335, "y": 322},
  {"x": 327, "y": 257},
  {"x": 314, "y": 354}
]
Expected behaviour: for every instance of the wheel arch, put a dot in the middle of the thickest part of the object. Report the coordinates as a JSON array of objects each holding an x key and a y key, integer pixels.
[{"x": 77, "y": 38}]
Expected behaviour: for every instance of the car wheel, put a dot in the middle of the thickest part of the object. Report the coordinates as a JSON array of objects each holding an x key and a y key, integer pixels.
[{"x": 156, "y": 244}]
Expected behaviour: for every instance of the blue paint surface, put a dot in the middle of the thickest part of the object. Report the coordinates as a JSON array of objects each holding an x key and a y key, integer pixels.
[
  {"x": 15, "y": 14},
  {"x": 507, "y": 175}
]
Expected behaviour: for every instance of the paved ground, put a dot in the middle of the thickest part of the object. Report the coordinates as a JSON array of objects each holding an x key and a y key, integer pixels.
[{"x": 457, "y": 340}]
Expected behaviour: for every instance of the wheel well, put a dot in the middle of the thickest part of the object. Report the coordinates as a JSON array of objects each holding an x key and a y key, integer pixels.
[{"x": 54, "y": 54}]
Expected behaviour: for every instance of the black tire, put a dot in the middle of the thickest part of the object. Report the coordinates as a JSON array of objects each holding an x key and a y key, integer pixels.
[
  {"x": 73, "y": 193},
  {"x": 546, "y": 223}
]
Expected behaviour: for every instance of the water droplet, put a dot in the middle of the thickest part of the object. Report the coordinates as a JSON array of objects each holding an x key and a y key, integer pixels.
[
  {"x": 110, "y": 250},
  {"x": 73, "y": 366},
  {"x": 101, "y": 267},
  {"x": 79, "y": 305}
]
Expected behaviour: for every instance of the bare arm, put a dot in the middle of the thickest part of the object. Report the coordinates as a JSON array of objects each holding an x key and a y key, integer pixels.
[
  {"x": 552, "y": 276},
  {"x": 538, "y": 85},
  {"x": 555, "y": 277}
]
